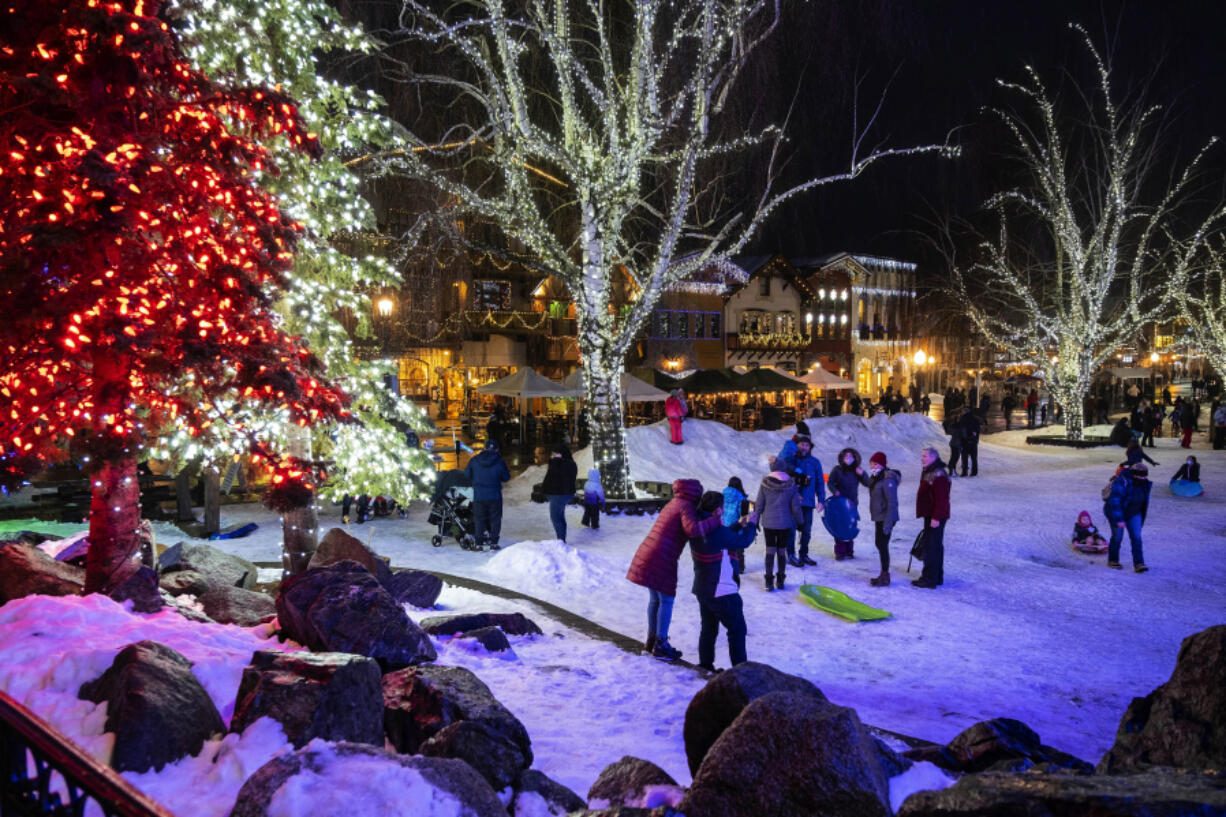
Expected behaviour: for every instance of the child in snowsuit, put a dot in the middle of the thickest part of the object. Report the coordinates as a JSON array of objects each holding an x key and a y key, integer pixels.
[
  {"x": 716, "y": 585},
  {"x": 593, "y": 500},
  {"x": 779, "y": 511},
  {"x": 1086, "y": 537},
  {"x": 845, "y": 481},
  {"x": 736, "y": 505}
]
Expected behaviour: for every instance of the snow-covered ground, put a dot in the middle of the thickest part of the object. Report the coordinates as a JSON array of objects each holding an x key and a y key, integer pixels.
[{"x": 1024, "y": 627}]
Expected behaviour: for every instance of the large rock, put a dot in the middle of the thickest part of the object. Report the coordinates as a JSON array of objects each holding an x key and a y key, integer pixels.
[
  {"x": 491, "y": 639},
  {"x": 535, "y": 793},
  {"x": 790, "y": 754},
  {"x": 234, "y": 605},
  {"x": 415, "y": 587},
  {"x": 338, "y": 546},
  {"x": 406, "y": 785},
  {"x": 141, "y": 588},
  {"x": 1157, "y": 793},
  {"x": 27, "y": 571},
  {"x": 719, "y": 703},
  {"x": 1183, "y": 722},
  {"x": 627, "y": 783},
  {"x": 509, "y": 623},
  {"x": 156, "y": 708},
  {"x": 186, "y": 583},
  {"x": 218, "y": 566},
  {"x": 493, "y": 755},
  {"x": 1004, "y": 745},
  {"x": 342, "y": 608},
  {"x": 421, "y": 701},
  {"x": 334, "y": 696}
]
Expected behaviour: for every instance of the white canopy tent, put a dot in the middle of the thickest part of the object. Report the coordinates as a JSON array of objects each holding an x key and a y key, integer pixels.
[
  {"x": 822, "y": 379},
  {"x": 526, "y": 384},
  {"x": 634, "y": 390}
]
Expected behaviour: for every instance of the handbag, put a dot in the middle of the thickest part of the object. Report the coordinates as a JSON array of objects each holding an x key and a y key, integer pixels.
[{"x": 917, "y": 548}]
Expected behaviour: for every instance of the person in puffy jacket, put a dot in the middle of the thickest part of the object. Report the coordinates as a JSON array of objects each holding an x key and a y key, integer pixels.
[
  {"x": 717, "y": 582},
  {"x": 1125, "y": 508},
  {"x": 736, "y": 505},
  {"x": 932, "y": 505},
  {"x": 779, "y": 512},
  {"x": 806, "y": 470},
  {"x": 593, "y": 499},
  {"x": 486, "y": 472},
  {"x": 559, "y": 487},
  {"x": 845, "y": 480},
  {"x": 675, "y": 409},
  {"x": 883, "y": 510},
  {"x": 654, "y": 565}
]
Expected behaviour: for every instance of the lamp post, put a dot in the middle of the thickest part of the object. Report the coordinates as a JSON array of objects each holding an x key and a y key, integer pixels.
[
  {"x": 921, "y": 357},
  {"x": 383, "y": 309}
]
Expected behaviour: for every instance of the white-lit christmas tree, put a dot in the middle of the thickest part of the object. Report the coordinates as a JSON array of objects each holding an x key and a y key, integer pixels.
[
  {"x": 1086, "y": 250},
  {"x": 279, "y": 43},
  {"x": 589, "y": 135}
]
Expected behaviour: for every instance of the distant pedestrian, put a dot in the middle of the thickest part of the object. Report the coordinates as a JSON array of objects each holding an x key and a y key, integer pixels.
[
  {"x": 970, "y": 427},
  {"x": 1032, "y": 407},
  {"x": 675, "y": 410},
  {"x": 932, "y": 505},
  {"x": 1187, "y": 424},
  {"x": 559, "y": 487}
]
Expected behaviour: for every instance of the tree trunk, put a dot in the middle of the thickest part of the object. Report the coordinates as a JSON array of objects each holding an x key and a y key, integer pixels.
[
  {"x": 114, "y": 519},
  {"x": 606, "y": 424},
  {"x": 183, "y": 494},
  {"x": 299, "y": 527},
  {"x": 212, "y": 501}
]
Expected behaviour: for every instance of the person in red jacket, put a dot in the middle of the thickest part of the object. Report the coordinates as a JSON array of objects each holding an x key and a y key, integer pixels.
[
  {"x": 675, "y": 409},
  {"x": 655, "y": 562},
  {"x": 932, "y": 505}
]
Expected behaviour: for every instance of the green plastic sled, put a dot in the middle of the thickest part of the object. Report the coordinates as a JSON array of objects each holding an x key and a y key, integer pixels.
[{"x": 838, "y": 603}]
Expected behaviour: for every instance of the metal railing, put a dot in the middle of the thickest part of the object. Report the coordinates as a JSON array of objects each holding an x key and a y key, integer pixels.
[{"x": 38, "y": 762}]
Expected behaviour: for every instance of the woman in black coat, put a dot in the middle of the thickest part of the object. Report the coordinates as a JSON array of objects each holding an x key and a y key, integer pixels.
[{"x": 559, "y": 487}]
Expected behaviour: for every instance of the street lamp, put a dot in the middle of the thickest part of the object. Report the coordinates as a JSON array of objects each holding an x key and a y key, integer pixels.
[{"x": 384, "y": 307}]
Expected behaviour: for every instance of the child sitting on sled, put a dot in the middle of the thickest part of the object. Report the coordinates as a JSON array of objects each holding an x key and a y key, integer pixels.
[{"x": 1086, "y": 537}]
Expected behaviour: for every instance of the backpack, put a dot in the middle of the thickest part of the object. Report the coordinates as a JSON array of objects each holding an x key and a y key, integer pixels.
[{"x": 1106, "y": 492}]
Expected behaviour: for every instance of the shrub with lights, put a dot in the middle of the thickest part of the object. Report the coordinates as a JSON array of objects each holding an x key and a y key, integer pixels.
[{"x": 138, "y": 258}]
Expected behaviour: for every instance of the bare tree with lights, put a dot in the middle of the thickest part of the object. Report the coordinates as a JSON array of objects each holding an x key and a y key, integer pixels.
[
  {"x": 1201, "y": 296},
  {"x": 1086, "y": 248},
  {"x": 591, "y": 136}
]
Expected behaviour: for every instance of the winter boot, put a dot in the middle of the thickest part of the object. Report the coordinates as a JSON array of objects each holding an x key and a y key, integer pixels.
[
  {"x": 770, "y": 582},
  {"x": 650, "y": 645},
  {"x": 1115, "y": 565},
  {"x": 1141, "y": 568},
  {"x": 881, "y": 581},
  {"x": 665, "y": 651},
  {"x": 779, "y": 581}
]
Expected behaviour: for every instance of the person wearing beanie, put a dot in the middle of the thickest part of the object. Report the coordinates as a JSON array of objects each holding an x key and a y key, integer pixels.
[
  {"x": 486, "y": 473},
  {"x": 806, "y": 471},
  {"x": 1086, "y": 537},
  {"x": 883, "y": 510},
  {"x": 1125, "y": 507},
  {"x": 593, "y": 500},
  {"x": 559, "y": 487}
]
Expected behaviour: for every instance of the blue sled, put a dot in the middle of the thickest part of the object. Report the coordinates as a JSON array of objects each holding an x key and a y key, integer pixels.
[
  {"x": 1183, "y": 487},
  {"x": 235, "y": 533},
  {"x": 840, "y": 518}
]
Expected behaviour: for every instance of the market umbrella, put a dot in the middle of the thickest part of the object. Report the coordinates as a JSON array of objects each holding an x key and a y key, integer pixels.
[
  {"x": 821, "y": 379},
  {"x": 633, "y": 389},
  {"x": 663, "y": 381},
  {"x": 1023, "y": 378},
  {"x": 708, "y": 381},
  {"x": 767, "y": 380},
  {"x": 526, "y": 384}
]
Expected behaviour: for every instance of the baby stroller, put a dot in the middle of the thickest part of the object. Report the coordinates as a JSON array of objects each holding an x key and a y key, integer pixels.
[{"x": 451, "y": 510}]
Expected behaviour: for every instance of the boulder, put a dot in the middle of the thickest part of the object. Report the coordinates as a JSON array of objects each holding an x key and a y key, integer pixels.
[
  {"x": 181, "y": 607},
  {"x": 156, "y": 708},
  {"x": 346, "y": 771},
  {"x": 27, "y": 571},
  {"x": 334, "y": 696},
  {"x": 185, "y": 583},
  {"x": 625, "y": 811},
  {"x": 339, "y": 546},
  {"x": 892, "y": 763},
  {"x": 234, "y": 605},
  {"x": 491, "y": 638},
  {"x": 342, "y": 608},
  {"x": 1183, "y": 722},
  {"x": 141, "y": 588},
  {"x": 718, "y": 704},
  {"x": 421, "y": 701},
  {"x": 1005, "y": 745},
  {"x": 627, "y": 783},
  {"x": 536, "y": 793},
  {"x": 69, "y": 549},
  {"x": 217, "y": 565},
  {"x": 790, "y": 754},
  {"x": 494, "y": 756},
  {"x": 1161, "y": 792},
  {"x": 415, "y": 587},
  {"x": 509, "y": 623}
]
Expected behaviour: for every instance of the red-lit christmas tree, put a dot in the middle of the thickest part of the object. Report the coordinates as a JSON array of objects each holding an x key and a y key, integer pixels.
[{"x": 137, "y": 256}]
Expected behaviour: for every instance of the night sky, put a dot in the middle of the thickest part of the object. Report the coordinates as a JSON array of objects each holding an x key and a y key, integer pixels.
[{"x": 948, "y": 54}]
